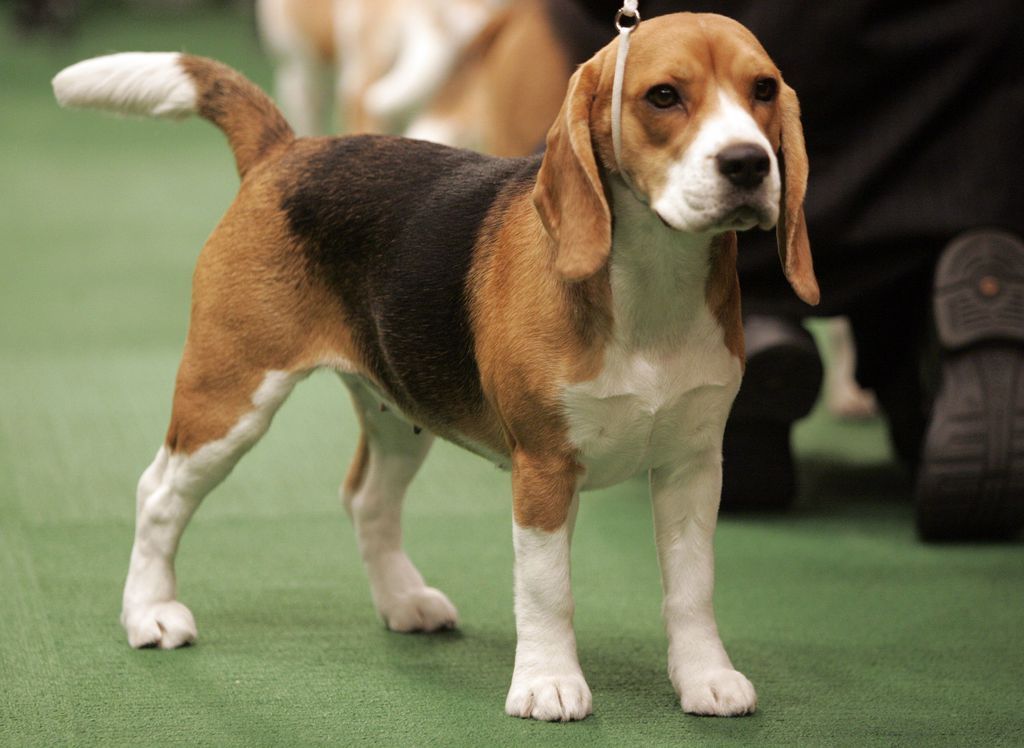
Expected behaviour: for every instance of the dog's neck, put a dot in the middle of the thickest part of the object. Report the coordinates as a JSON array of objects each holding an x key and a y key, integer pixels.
[{"x": 658, "y": 275}]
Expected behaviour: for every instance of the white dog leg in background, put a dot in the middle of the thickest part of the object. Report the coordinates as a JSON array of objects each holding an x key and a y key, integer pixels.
[
  {"x": 685, "y": 514},
  {"x": 300, "y": 76},
  {"x": 301, "y": 87},
  {"x": 843, "y": 394}
]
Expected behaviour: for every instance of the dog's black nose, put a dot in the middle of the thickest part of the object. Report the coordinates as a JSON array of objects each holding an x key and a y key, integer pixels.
[{"x": 745, "y": 165}]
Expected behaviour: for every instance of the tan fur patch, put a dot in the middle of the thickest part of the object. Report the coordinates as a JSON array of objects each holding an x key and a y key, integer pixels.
[
  {"x": 794, "y": 246},
  {"x": 314, "y": 19},
  {"x": 569, "y": 194},
  {"x": 543, "y": 487},
  {"x": 534, "y": 331},
  {"x": 357, "y": 470},
  {"x": 253, "y": 124},
  {"x": 523, "y": 82},
  {"x": 254, "y": 310},
  {"x": 723, "y": 293}
]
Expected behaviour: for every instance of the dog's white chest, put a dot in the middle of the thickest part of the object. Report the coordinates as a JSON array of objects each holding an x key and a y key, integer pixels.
[{"x": 649, "y": 407}]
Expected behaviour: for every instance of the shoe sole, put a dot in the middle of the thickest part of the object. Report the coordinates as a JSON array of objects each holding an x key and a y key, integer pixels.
[{"x": 971, "y": 482}]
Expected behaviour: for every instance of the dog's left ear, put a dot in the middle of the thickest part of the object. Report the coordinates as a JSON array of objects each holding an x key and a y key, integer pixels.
[
  {"x": 569, "y": 195},
  {"x": 794, "y": 246}
]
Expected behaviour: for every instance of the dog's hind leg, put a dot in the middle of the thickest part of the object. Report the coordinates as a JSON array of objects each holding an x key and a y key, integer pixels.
[
  {"x": 220, "y": 410},
  {"x": 390, "y": 452}
]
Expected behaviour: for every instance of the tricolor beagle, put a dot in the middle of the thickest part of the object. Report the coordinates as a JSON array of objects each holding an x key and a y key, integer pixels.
[{"x": 572, "y": 325}]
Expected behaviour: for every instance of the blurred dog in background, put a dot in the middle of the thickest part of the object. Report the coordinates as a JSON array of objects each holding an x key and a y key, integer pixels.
[{"x": 384, "y": 60}]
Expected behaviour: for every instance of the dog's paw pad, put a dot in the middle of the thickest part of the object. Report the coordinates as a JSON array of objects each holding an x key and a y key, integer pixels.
[
  {"x": 425, "y": 609},
  {"x": 549, "y": 698},
  {"x": 166, "y": 625},
  {"x": 720, "y": 693}
]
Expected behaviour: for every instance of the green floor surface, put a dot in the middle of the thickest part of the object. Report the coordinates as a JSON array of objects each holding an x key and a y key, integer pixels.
[{"x": 853, "y": 632}]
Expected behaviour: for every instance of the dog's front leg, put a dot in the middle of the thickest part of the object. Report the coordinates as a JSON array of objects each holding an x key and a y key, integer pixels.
[
  {"x": 547, "y": 683},
  {"x": 686, "y": 498}
]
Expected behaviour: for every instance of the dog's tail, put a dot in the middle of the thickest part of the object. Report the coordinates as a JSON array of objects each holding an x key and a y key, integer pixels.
[{"x": 173, "y": 85}]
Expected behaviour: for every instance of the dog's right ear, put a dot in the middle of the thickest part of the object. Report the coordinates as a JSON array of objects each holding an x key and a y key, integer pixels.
[
  {"x": 794, "y": 246},
  {"x": 569, "y": 195}
]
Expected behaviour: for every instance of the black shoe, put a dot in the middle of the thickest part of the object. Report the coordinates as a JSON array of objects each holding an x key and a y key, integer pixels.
[
  {"x": 780, "y": 385},
  {"x": 971, "y": 480}
]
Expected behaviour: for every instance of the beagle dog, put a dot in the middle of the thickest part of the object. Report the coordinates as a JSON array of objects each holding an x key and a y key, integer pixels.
[{"x": 570, "y": 317}]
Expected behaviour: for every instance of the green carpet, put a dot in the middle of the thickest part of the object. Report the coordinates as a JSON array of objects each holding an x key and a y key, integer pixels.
[{"x": 852, "y": 631}]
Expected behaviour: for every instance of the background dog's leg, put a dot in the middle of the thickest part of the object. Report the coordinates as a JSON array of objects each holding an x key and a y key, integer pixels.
[
  {"x": 218, "y": 414},
  {"x": 843, "y": 394},
  {"x": 389, "y": 454},
  {"x": 301, "y": 80},
  {"x": 547, "y": 683},
  {"x": 301, "y": 87},
  {"x": 685, "y": 513}
]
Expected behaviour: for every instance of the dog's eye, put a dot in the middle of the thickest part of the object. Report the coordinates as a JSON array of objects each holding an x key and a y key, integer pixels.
[
  {"x": 663, "y": 96},
  {"x": 765, "y": 89}
]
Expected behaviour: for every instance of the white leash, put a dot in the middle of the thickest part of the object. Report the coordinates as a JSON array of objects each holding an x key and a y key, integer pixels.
[{"x": 628, "y": 10}]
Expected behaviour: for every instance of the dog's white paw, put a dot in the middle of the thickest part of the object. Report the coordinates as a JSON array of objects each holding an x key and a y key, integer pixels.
[
  {"x": 166, "y": 625},
  {"x": 422, "y": 609},
  {"x": 852, "y": 402},
  {"x": 720, "y": 693},
  {"x": 558, "y": 698}
]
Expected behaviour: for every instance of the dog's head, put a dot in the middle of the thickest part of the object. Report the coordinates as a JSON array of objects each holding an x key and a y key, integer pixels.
[{"x": 711, "y": 141}]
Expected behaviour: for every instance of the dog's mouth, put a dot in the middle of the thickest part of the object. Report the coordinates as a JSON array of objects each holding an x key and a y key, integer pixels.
[
  {"x": 747, "y": 215},
  {"x": 742, "y": 218},
  {"x": 738, "y": 218}
]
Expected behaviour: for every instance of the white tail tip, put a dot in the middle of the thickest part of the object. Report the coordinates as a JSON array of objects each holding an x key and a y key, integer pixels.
[{"x": 152, "y": 84}]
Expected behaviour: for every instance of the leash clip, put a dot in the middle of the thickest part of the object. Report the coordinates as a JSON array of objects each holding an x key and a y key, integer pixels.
[{"x": 627, "y": 11}]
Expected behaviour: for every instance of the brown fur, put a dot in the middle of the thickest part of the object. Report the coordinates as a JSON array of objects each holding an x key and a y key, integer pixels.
[
  {"x": 254, "y": 310},
  {"x": 661, "y": 136},
  {"x": 357, "y": 470},
  {"x": 569, "y": 195},
  {"x": 314, "y": 19},
  {"x": 254, "y": 125},
  {"x": 723, "y": 293},
  {"x": 517, "y": 105},
  {"x": 534, "y": 331},
  {"x": 794, "y": 246},
  {"x": 543, "y": 487}
]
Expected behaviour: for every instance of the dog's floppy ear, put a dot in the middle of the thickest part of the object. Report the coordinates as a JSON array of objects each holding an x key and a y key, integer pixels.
[
  {"x": 569, "y": 196},
  {"x": 794, "y": 246}
]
